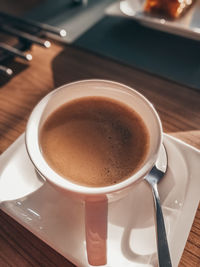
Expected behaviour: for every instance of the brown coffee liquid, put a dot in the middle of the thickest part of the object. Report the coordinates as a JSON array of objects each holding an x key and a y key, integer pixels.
[{"x": 94, "y": 141}]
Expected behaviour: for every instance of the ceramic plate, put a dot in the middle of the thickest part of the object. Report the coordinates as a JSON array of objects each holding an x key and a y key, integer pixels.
[
  {"x": 188, "y": 25},
  {"x": 59, "y": 220}
]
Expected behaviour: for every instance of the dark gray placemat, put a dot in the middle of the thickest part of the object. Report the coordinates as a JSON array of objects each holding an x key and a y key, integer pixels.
[{"x": 170, "y": 56}]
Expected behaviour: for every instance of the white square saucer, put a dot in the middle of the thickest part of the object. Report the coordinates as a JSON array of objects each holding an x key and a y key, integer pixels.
[{"x": 59, "y": 220}]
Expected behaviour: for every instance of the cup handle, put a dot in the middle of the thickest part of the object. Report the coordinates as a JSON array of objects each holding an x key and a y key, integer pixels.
[{"x": 96, "y": 214}]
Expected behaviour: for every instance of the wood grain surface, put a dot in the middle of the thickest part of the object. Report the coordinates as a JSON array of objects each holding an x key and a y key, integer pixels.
[{"x": 178, "y": 107}]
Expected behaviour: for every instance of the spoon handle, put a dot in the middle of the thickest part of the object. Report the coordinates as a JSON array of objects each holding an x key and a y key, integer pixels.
[{"x": 162, "y": 244}]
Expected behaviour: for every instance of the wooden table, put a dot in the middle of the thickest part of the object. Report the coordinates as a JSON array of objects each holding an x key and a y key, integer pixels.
[{"x": 178, "y": 107}]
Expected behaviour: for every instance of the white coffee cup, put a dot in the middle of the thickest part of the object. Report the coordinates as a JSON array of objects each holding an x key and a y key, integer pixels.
[{"x": 96, "y": 198}]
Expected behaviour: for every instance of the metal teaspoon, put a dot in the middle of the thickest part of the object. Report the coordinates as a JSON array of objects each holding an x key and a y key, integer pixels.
[{"x": 153, "y": 178}]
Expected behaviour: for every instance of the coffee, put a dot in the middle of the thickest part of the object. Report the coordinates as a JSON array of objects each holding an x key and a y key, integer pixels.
[{"x": 94, "y": 141}]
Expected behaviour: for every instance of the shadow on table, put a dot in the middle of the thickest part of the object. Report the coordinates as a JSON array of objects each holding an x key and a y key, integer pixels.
[{"x": 64, "y": 71}]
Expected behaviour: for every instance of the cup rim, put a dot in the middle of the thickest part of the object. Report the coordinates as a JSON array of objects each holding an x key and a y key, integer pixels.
[{"x": 36, "y": 157}]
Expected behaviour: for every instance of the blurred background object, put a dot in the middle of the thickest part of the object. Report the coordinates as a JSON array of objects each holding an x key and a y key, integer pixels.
[
  {"x": 17, "y": 34},
  {"x": 120, "y": 30},
  {"x": 32, "y": 22}
]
